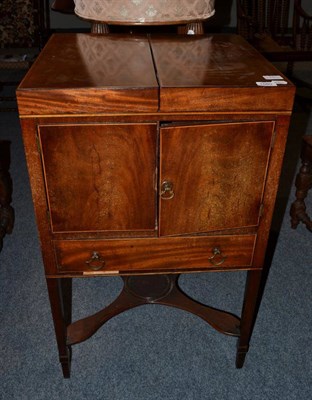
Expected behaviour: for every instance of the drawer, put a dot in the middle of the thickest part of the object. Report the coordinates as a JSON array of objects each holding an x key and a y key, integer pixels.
[{"x": 153, "y": 254}]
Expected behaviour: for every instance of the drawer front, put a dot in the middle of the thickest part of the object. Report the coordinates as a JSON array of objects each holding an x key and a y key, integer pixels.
[{"x": 154, "y": 254}]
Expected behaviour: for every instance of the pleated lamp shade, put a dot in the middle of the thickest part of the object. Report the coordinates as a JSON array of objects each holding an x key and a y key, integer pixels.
[{"x": 145, "y": 12}]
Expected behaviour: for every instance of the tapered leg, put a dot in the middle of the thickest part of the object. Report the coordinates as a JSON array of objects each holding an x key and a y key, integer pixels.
[
  {"x": 250, "y": 308},
  {"x": 66, "y": 293},
  {"x": 140, "y": 290},
  {"x": 59, "y": 293}
]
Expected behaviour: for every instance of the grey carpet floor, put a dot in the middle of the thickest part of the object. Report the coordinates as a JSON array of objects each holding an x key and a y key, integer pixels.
[{"x": 155, "y": 352}]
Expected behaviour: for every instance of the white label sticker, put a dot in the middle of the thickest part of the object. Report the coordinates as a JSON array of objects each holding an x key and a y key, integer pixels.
[
  {"x": 272, "y": 77},
  {"x": 280, "y": 82},
  {"x": 266, "y": 83}
]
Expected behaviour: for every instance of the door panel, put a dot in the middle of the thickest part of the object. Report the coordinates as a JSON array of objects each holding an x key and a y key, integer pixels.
[
  {"x": 100, "y": 177},
  {"x": 212, "y": 176}
]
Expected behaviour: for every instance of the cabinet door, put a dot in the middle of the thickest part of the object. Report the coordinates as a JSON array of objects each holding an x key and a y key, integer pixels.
[
  {"x": 212, "y": 176},
  {"x": 100, "y": 177}
]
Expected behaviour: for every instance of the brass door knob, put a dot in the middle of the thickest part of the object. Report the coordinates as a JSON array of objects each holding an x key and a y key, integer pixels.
[{"x": 166, "y": 190}]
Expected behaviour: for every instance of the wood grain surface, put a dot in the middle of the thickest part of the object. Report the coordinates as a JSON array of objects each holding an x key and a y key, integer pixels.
[
  {"x": 83, "y": 73},
  {"x": 155, "y": 254},
  {"x": 216, "y": 72},
  {"x": 218, "y": 173},
  {"x": 152, "y": 156},
  {"x": 100, "y": 177}
]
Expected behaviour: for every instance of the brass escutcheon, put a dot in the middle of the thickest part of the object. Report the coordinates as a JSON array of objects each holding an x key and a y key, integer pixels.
[
  {"x": 96, "y": 262},
  {"x": 167, "y": 192}
]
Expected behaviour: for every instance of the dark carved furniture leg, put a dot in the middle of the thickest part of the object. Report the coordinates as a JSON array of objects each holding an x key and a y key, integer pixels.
[
  {"x": 250, "y": 307},
  {"x": 6, "y": 211},
  {"x": 59, "y": 293},
  {"x": 303, "y": 185},
  {"x": 152, "y": 289}
]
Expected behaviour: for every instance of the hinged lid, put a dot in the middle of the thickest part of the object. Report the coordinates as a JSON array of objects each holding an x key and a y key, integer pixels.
[
  {"x": 90, "y": 74},
  {"x": 84, "y": 73},
  {"x": 217, "y": 73}
]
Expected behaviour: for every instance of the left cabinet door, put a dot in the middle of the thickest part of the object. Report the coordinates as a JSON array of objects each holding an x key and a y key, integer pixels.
[{"x": 100, "y": 177}]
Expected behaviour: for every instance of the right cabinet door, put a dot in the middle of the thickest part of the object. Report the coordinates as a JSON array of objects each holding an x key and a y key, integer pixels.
[{"x": 212, "y": 176}]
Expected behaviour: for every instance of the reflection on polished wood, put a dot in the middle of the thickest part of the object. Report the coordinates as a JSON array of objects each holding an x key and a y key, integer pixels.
[
  {"x": 214, "y": 72},
  {"x": 89, "y": 64},
  {"x": 217, "y": 60},
  {"x": 90, "y": 61},
  {"x": 205, "y": 73}
]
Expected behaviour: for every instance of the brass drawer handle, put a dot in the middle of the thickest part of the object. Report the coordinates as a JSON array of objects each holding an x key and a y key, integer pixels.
[
  {"x": 167, "y": 192},
  {"x": 217, "y": 258},
  {"x": 96, "y": 262}
]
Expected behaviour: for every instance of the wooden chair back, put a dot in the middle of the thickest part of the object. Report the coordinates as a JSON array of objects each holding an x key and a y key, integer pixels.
[
  {"x": 264, "y": 16},
  {"x": 302, "y": 28},
  {"x": 265, "y": 23}
]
